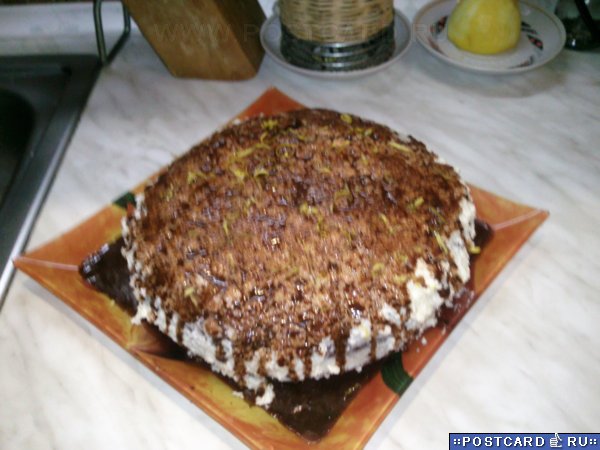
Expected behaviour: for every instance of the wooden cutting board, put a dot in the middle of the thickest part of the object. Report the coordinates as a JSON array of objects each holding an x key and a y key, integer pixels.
[{"x": 210, "y": 39}]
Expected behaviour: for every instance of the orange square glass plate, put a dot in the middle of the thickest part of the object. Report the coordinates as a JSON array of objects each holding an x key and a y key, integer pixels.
[{"x": 55, "y": 266}]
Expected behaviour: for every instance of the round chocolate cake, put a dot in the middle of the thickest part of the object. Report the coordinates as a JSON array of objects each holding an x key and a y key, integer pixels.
[{"x": 300, "y": 245}]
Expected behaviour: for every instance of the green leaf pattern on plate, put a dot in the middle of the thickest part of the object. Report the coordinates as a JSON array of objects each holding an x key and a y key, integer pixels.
[
  {"x": 394, "y": 375},
  {"x": 124, "y": 200}
]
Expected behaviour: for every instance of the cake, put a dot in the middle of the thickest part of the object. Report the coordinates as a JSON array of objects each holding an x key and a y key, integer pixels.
[{"x": 299, "y": 246}]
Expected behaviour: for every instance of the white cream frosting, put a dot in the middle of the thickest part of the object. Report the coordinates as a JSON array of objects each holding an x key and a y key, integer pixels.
[
  {"x": 466, "y": 218},
  {"x": 390, "y": 314},
  {"x": 275, "y": 370},
  {"x": 358, "y": 346},
  {"x": 299, "y": 368},
  {"x": 386, "y": 342},
  {"x": 267, "y": 397},
  {"x": 323, "y": 361},
  {"x": 425, "y": 300},
  {"x": 460, "y": 255},
  {"x": 199, "y": 343}
]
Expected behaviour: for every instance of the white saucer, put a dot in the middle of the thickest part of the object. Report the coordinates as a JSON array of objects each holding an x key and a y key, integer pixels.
[
  {"x": 542, "y": 38},
  {"x": 270, "y": 37}
]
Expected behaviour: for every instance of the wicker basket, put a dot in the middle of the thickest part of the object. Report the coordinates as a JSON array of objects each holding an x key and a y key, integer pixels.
[{"x": 337, "y": 35}]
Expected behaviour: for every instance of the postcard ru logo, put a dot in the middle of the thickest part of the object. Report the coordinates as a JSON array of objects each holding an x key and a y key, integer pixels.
[
  {"x": 500, "y": 441},
  {"x": 528, "y": 441}
]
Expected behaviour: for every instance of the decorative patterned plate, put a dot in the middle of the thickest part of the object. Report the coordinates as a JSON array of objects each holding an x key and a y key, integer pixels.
[
  {"x": 542, "y": 38},
  {"x": 55, "y": 266},
  {"x": 270, "y": 37}
]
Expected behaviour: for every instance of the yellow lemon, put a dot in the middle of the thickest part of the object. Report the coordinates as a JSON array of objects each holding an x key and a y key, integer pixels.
[{"x": 485, "y": 26}]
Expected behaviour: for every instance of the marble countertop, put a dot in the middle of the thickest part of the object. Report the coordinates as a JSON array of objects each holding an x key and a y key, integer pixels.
[{"x": 525, "y": 358}]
